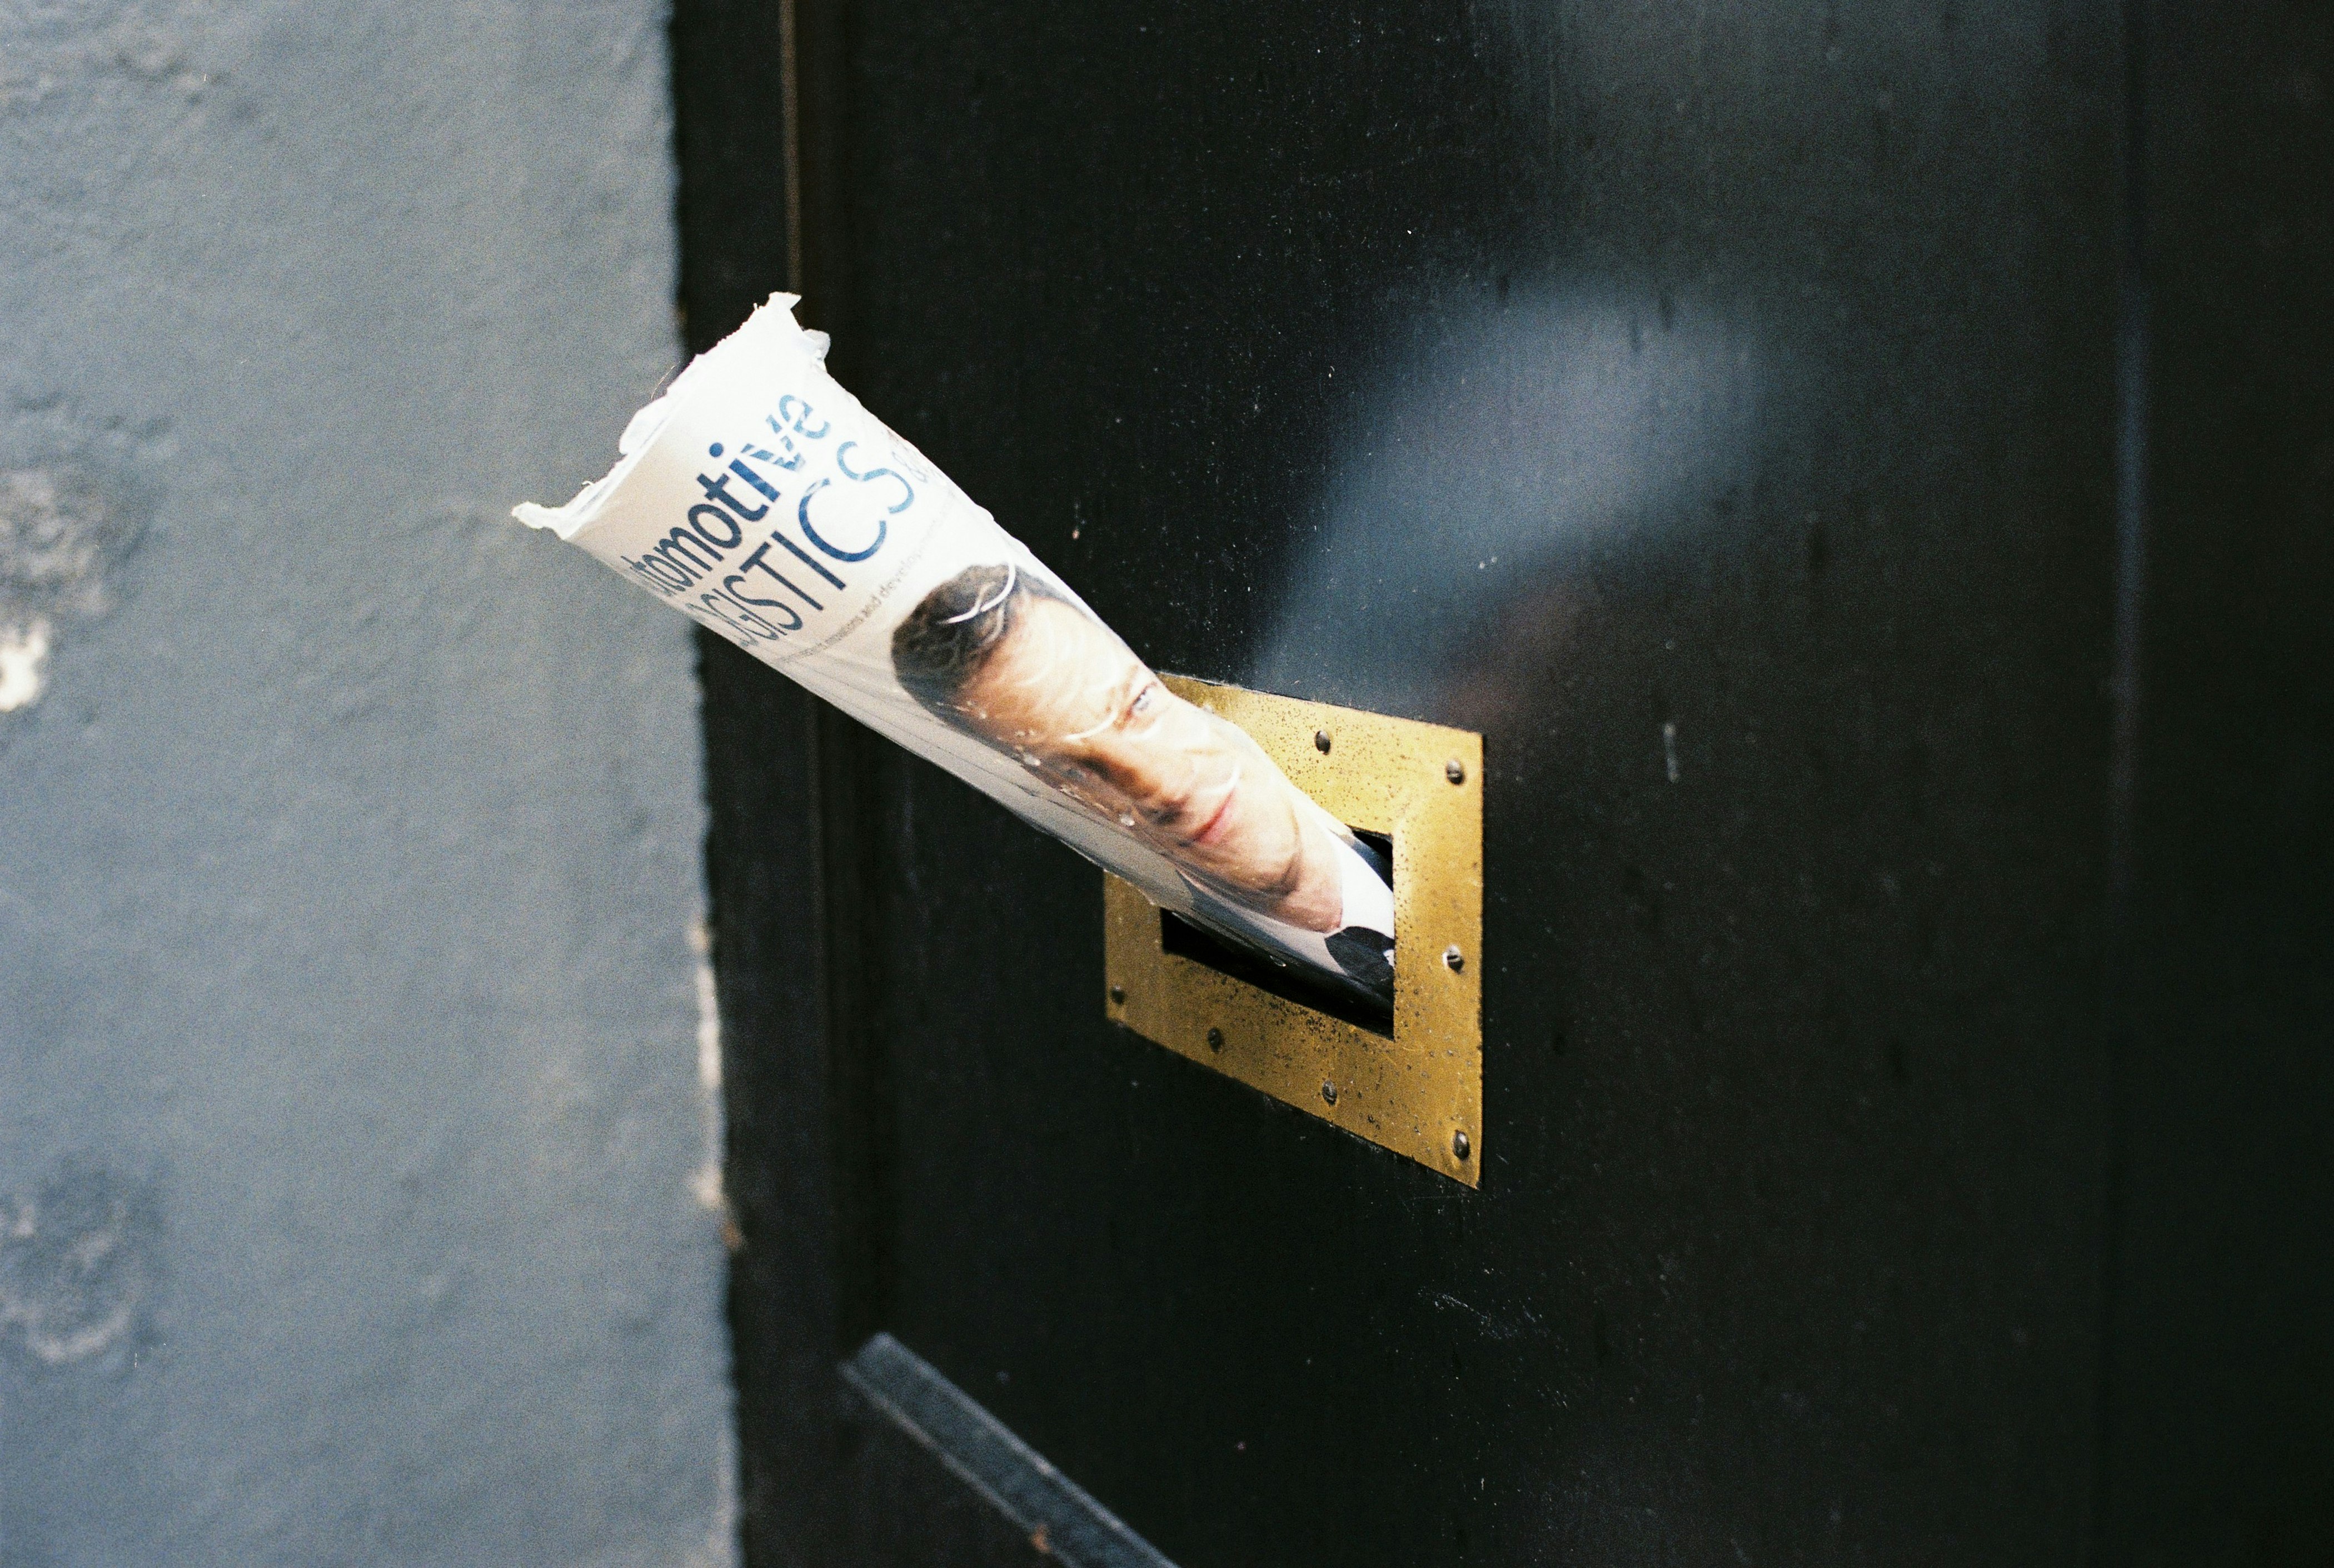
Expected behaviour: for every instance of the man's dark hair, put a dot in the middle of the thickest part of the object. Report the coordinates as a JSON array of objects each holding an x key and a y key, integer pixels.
[{"x": 943, "y": 644}]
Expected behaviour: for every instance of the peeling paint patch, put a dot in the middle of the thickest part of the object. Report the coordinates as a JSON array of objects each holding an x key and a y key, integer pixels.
[
  {"x": 23, "y": 662},
  {"x": 54, "y": 48},
  {"x": 76, "y": 1265},
  {"x": 62, "y": 529}
]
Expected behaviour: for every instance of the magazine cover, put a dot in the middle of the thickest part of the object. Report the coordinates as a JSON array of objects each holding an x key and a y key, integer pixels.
[{"x": 759, "y": 497}]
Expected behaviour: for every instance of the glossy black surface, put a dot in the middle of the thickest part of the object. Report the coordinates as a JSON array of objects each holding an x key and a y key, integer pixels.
[
  {"x": 1717, "y": 410},
  {"x": 2219, "y": 1381}
]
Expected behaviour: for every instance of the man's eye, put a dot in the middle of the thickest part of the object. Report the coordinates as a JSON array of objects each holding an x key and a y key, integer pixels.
[{"x": 1141, "y": 703}]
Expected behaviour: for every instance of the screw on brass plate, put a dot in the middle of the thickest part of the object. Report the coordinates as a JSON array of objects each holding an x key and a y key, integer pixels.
[
  {"x": 1455, "y": 770},
  {"x": 1460, "y": 1147},
  {"x": 1321, "y": 740},
  {"x": 1329, "y": 1093},
  {"x": 1215, "y": 1039},
  {"x": 1118, "y": 995},
  {"x": 1453, "y": 956}
]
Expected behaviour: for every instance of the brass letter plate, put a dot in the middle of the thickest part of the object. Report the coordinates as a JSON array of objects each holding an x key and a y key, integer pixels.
[{"x": 1419, "y": 1093}]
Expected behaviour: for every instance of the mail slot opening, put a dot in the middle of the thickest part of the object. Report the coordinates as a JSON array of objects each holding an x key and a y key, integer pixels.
[
  {"x": 1415, "y": 1089},
  {"x": 1180, "y": 938}
]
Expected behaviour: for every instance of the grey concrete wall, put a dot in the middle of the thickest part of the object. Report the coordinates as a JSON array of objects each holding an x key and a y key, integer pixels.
[{"x": 353, "y": 1199}]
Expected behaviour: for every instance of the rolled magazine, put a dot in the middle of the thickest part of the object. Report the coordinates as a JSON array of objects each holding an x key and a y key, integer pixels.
[{"x": 760, "y": 498}]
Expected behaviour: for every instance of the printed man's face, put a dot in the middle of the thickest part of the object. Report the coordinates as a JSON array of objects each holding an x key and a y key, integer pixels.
[{"x": 1069, "y": 698}]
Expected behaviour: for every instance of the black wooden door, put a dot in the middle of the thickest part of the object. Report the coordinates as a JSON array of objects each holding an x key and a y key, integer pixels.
[{"x": 1865, "y": 471}]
